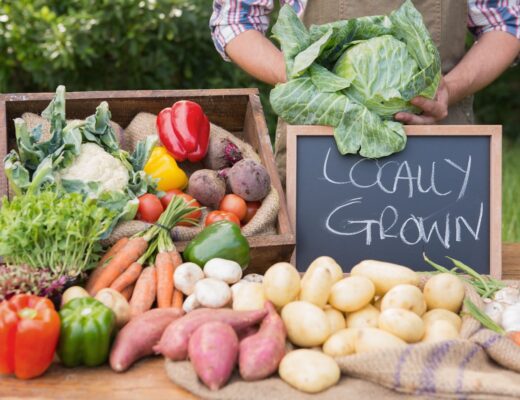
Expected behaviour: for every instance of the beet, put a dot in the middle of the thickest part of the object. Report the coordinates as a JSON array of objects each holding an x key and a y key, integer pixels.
[
  {"x": 221, "y": 153},
  {"x": 249, "y": 180},
  {"x": 206, "y": 186}
]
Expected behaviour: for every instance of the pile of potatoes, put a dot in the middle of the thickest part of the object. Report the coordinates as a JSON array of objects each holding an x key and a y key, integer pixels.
[{"x": 379, "y": 306}]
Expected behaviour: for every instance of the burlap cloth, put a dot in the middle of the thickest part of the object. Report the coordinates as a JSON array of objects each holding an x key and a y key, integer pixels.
[{"x": 479, "y": 365}]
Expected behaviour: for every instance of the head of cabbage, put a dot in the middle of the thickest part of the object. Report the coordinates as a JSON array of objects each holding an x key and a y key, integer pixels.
[{"x": 354, "y": 75}]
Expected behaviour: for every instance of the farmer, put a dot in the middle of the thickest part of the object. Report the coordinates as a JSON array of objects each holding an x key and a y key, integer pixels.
[{"x": 238, "y": 28}]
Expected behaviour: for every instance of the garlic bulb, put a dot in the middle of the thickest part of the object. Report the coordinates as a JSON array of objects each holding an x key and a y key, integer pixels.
[
  {"x": 511, "y": 318},
  {"x": 494, "y": 311},
  {"x": 508, "y": 295}
]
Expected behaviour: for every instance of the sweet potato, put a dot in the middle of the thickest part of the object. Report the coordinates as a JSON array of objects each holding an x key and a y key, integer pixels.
[
  {"x": 174, "y": 341},
  {"x": 138, "y": 337},
  {"x": 207, "y": 187},
  {"x": 213, "y": 351},
  {"x": 260, "y": 354},
  {"x": 249, "y": 180}
]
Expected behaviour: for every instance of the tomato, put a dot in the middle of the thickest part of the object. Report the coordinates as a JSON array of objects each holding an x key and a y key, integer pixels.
[
  {"x": 234, "y": 204},
  {"x": 150, "y": 208},
  {"x": 252, "y": 208},
  {"x": 165, "y": 200},
  {"x": 216, "y": 216}
]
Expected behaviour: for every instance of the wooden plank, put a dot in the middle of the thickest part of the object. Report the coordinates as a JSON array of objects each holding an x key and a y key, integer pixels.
[
  {"x": 511, "y": 261},
  {"x": 146, "y": 379}
]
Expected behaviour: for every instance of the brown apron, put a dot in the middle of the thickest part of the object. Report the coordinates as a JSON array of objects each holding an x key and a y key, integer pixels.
[{"x": 445, "y": 20}]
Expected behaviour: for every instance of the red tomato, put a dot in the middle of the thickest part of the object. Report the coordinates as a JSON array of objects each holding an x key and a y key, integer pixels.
[
  {"x": 165, "y": 200},
  {"x": 150, "y": 208},
  {"x": 252, "y": 208},
  {"x": 216, "y": 216},
  {"x": 234, "y": 204}
]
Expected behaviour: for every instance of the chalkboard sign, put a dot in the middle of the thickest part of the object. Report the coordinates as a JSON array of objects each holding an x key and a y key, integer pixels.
[{"x": 441, "y": 196}]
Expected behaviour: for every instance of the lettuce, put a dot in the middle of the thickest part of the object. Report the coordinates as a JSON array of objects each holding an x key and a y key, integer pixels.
[{"x": 354, "y": 75}]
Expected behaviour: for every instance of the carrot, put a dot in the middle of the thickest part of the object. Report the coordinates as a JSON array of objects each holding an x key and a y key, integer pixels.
[
  {"x": 176, "y": 258},
  {"x": 178, "y": 299},
  {"x": 164, "y": 265},
  {"x": 119, "y": 263},
  {"x": 127, "y": 292},
  {"x": 103, "y": 261},
  {"x": 144, "y": 292},
  {"x": 128, "y": 277}
]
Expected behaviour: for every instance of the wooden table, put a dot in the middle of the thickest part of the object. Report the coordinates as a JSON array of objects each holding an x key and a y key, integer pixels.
[{"x": 145, "y": 380}]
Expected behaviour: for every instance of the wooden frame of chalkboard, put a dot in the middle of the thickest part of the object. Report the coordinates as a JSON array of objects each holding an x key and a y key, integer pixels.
[{"x": 494, "y": 132}]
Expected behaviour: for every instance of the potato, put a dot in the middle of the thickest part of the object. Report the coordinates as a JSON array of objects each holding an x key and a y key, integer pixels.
[
  {"x": 444, "y": 291},
  {"x": 385, "y": 275},
  {"x": 377, "y": 302},
  {"x": 249, "y": 296},
  {"x": 316, "y": 288},
  {"x": 440, "y": 330},
  {"x": 372, "y": 339},
  {"x": 341, "y": 343},
  {"x": 352, "y": 293},
  {"x": 367, "y": 317},
  {"x": 407, "y": 297},
  {"x": 336, "y": 319},
  {"x": 117, "y": 303},
  {"x": 326, "y": 262},
  {"x": 404, "y": 324},
  {"x": 309, "y": 370},
  {"x": 72, "y": 293},
  {"x": 281, "y": 284},
  {"x": 307, "y": 325},
  {"x": 441, "y": 314}
]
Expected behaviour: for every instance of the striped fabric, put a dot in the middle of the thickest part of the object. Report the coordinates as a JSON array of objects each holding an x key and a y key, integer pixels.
[{"x": 232, "y": 17}]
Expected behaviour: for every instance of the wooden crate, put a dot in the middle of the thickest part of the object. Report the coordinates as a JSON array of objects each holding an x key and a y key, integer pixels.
[{"x": 237, "y": 110}]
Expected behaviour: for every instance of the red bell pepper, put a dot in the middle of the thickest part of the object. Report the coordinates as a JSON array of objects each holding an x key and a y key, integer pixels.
[
  {"x": 184, "y": 131},
  {"x": 29, "y": 333}
]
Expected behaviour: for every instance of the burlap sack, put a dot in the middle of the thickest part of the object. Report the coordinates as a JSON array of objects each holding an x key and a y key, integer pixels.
[
  {"x": 264, "y": 221},
  {"x": 479, "y": 365}
]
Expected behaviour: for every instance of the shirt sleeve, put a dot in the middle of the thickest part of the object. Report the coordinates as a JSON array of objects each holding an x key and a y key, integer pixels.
[
  {"x": 232, "y": 17},
  {"x": 494, "y": 15}
]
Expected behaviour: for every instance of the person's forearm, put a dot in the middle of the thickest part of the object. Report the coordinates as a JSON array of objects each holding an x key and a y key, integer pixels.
[
  {"x": 482, "y": 64},
  {"x": 256, "y": 55}
]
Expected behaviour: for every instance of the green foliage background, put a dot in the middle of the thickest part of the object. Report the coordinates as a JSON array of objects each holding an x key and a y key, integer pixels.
[{"x": 166, "y": 44}]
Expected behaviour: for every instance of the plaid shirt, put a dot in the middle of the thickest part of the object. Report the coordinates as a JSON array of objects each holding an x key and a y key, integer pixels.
[{"x": 232, "y": 17}]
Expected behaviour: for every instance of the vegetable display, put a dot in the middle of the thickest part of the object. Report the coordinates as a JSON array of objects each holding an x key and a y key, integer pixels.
[{"x": 354, "y": 75}]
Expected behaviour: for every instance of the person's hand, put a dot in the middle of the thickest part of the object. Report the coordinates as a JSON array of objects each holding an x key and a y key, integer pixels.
[{"x": 433, "y": 110}]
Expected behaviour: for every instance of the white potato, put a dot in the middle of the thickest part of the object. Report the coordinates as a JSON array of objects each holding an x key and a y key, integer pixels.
[
  {"x": 404, "y": 324},
  {"x": 385, "y": 275},
  {"x": 444, "y": 291},
  {"x": 310, "y": 371},
  {"x": 281, "y": 284},
  {"x": 117, "y": 303},
  {"x": 316, "y": 288},
  {"x": 377, "y": 302},
  {"x": 440, "y": 330},
  {"x": 341, "y": 343},
  {"x": 186, "y": 276},
  {"x": 352, "y": 293},
  {"x": 307, "y": 325},
  {"x": 336, "y": 319},
  {"x": 373, "y": 339},
  {"x": 407, "y": 297},
  {"x": 73, "y": 292},
  {"x": 212, "y": 293},
  {"x": 225, "y": 270},
  {"x": 367, "y": 317},
  {"x": 326, "y": 262},
  {"x": 441, "y": 314},
  {"x": 249, "y": 296}
]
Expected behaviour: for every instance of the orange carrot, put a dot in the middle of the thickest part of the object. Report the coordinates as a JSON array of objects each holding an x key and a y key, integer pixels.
[
  {"x": 127, "y": 292},
  {"x": 144, "y": 292},
  {"x": 164, "y": 266},
  {"x": 103, "y": 261},
  {"x": 128, "y": 277},
  {"x": 176, "y": 258},
  {"x": 177, "y": 299},
  {"x": 134, "y": 249}
]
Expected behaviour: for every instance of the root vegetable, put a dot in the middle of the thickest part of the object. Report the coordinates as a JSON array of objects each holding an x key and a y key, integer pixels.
[
  {"x": 281, "y": 284},
  {"x": 117, "y": 303},
  {"x": 261, "y": 353},
  {"x": 336, "y": 319},
  {"x": 341, "y": 343},
  {"x": 385, "y": 275},
  {"x": 316, "y": 288},
  {"x": 174, "y": 341},
  {"x": 144, "y": 293},
  {"x": 221, "y": 153},
  {"x": 207, "y": 187},
  {"x": 407, "y": 297},
  {"x": 404, "y": 324},
  {"x": 213, "y": 351},
  {"x": 441, "y": 314},
  {"x": 138, "y": 337},
  {"x": 373, "y": 340},
  {"x": 72, "y": 293},
  {"x": 352, "y": 293},
  {"x": 325, "y": 262},
  {"x": 367, "y": 317},
  {"x": 212, "y": 293},
  {"x": 440, "y": 330},
  {"x": 249, "y": 180},
  {"x": 307, "y": 325},
  {"x": 186, "y": 276},
  {"x": 225, "y": 270},
  {"x": 248, "y": 296},
  {"x": 444, "y": 291}
]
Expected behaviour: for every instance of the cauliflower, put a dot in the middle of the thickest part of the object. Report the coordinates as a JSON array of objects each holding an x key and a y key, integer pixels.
[{"x": 93, "y": 164}]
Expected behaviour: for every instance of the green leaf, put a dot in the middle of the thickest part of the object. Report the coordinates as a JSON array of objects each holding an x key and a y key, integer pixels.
[
  {"x": 304, "y": 60},
  {"x": 328, "y": 82},
  {"x": 142, "y": 152}
]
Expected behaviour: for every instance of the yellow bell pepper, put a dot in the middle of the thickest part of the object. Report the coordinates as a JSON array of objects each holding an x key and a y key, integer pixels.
[{"x": 162, "y": 166}]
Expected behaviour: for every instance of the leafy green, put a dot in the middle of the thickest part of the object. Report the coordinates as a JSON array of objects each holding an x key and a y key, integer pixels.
[{"x": 354, "y": 75}]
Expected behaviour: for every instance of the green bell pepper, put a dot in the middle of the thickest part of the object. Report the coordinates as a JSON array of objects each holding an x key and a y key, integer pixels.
[
  {"x": 222, "y": 239},
  {"x": 87, "y": 326}
]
